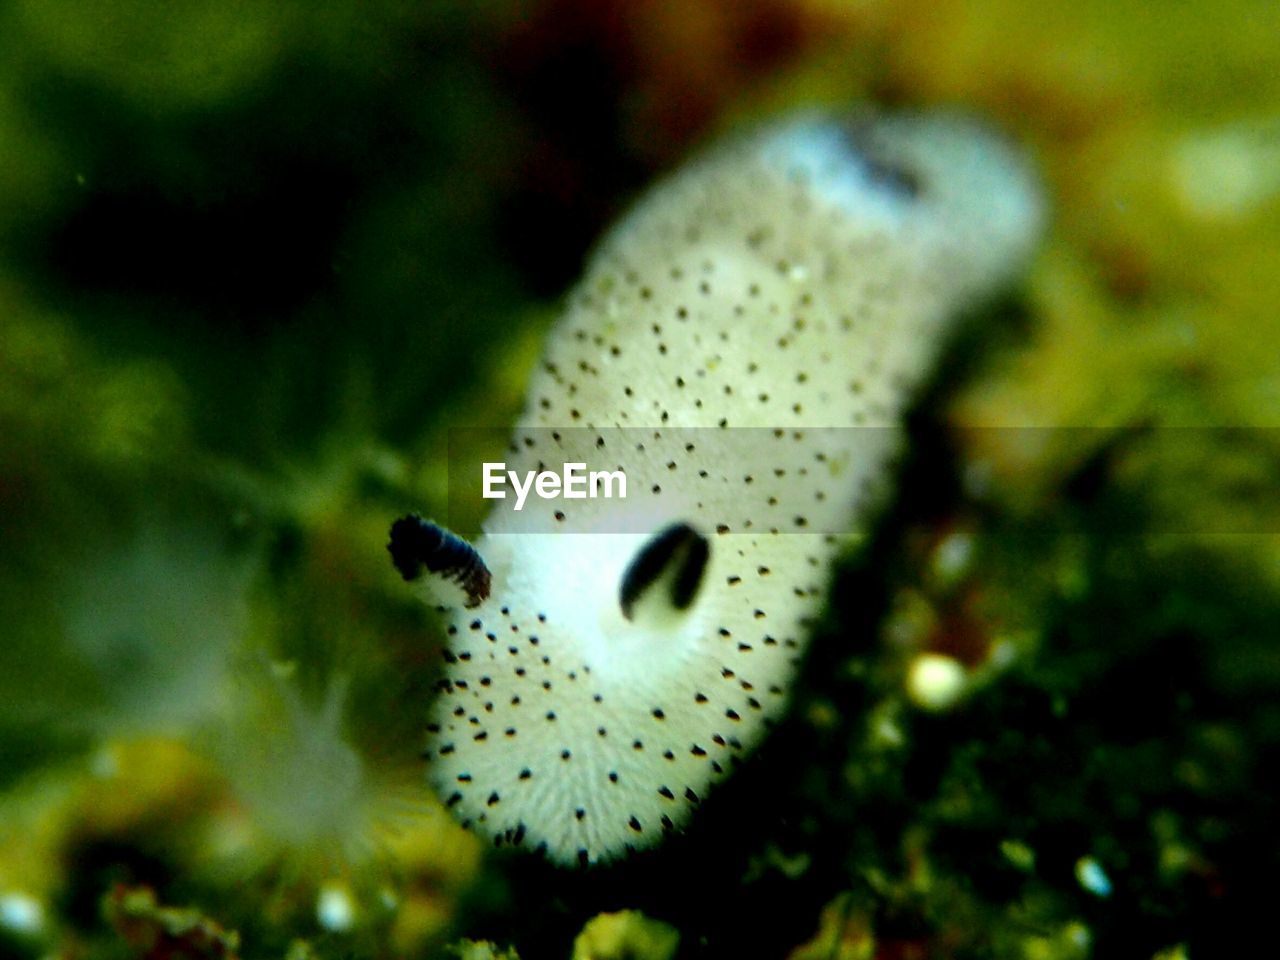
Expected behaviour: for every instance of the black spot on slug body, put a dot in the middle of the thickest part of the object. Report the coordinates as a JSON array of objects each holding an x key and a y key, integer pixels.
[
  {"x": 417, "y": 543},
  {"x": 678, "y": 548}
]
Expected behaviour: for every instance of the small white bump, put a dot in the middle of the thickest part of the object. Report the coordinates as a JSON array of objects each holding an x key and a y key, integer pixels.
[
  {"x": 335, "y": 906},
  {"x": 935, "y": 681},
  {"x": 22, "y": 913},
  {"x": 1091, "y": 877}
]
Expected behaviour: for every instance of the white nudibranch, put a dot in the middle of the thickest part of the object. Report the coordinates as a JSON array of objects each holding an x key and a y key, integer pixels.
[{"x": 627, "y": 657}]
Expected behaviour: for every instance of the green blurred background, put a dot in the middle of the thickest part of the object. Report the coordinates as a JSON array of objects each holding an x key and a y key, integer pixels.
[{"x": 256, "y": 257}]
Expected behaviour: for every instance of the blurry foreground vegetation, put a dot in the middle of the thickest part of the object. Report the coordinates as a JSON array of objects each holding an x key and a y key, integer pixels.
[{"x": 256, "y": 257}]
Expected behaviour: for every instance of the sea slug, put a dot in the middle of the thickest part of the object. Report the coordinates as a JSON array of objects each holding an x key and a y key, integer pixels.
[{"x": 743, "y": 345}]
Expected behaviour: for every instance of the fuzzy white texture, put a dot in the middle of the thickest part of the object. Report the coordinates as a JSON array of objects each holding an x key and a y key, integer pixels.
[{"x": 802, "y": 277}]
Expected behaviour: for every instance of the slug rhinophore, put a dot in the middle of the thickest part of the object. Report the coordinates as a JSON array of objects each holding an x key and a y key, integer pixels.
[{"x": 742, "y": 346}]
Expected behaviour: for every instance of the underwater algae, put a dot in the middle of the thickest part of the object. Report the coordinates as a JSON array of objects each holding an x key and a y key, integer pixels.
[{"x": 256, "y": 260}]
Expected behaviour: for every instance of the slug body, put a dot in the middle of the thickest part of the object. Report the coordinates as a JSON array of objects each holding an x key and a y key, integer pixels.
[{"x": 792, "y": 287}]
